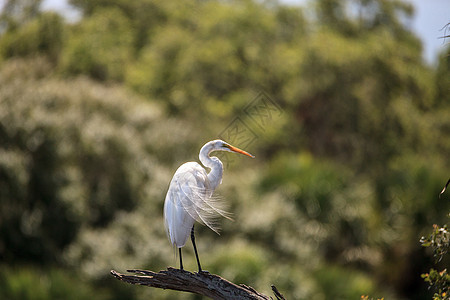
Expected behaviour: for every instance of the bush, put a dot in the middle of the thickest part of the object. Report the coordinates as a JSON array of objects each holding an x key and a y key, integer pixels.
[{"x": 42, "y": 35}]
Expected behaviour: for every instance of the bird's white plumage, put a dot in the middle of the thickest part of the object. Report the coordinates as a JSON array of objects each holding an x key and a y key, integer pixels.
[
  {"x": 190, "y": 195},
  {"x": 190, "y": 198}
]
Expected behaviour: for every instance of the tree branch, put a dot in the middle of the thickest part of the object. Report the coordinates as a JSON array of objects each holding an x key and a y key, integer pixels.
[
  {"x": 445, "y": 28},
  {"x": 202, "y": 283}
]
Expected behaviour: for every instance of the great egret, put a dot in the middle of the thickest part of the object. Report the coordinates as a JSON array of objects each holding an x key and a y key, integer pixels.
[{"x": 190, "y": 196}]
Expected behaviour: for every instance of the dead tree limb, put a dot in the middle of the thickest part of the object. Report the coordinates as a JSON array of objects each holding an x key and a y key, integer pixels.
[{"x": 202, "y": 283}]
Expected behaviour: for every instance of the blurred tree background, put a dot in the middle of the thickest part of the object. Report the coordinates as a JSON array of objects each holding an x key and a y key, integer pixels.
[{"x": 97, "y": 114}]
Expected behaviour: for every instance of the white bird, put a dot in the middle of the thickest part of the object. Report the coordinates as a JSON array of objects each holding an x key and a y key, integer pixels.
[{"x": 190, "y": 196}]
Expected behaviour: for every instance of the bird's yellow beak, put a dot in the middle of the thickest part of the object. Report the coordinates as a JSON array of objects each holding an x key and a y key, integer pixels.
[{"x": 237, "y": 150}]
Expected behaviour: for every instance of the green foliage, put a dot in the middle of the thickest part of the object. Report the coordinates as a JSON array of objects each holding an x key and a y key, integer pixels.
[
  {"x": 100, "y": 46},
  {"x": 240, "y": 263},
  {"x": 89, "y": 173},
  {"x": 371, "y": 15},
  {"x": 33, "y": 284},
  {"x": 18, "y": 12},
  {"x": 42, "y": 35},
  {"x": 312, "y": 184},
  {"x": 343, "y": 284},
  {"x": 365, "y": 120},
  {"x": 439, "y": 242},
  {"x": 440, "y": 281},
  {"x": 442, "y": 79}
]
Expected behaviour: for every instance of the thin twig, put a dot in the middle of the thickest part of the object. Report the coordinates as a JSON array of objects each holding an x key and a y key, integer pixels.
[
  {"x": 277, "y": 293},
  {"x": 445, "y": 187}
]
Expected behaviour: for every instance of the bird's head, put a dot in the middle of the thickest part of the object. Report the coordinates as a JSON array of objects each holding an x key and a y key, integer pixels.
[{"x": 224, "y": 146}]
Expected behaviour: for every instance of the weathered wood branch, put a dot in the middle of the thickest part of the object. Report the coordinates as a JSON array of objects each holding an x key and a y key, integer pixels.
[{"x": 202, "y": 283}]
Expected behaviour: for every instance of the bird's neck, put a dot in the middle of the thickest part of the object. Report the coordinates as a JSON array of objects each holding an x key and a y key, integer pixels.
[{"x": 215, "y": 175}]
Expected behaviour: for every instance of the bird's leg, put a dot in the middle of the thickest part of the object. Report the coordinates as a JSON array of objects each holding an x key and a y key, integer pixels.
[
  {"x": 181, "y": 260},
  {"x": 195, "y": 249}
]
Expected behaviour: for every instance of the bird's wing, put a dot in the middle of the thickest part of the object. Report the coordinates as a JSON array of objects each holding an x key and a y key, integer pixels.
[{"x": 189, "y": 191}]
